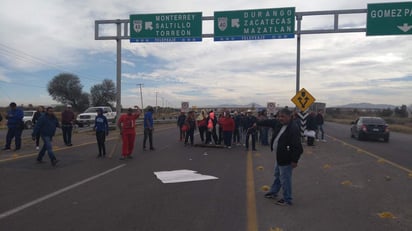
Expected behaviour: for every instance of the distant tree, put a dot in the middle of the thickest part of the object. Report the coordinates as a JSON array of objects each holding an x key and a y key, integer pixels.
[
  {"x": 402, "y": 111},
  {"x": 103, "y": 94},
  {"x": 83, "y": 102},
  {"x": 386, "y": 112},
  {"x": 66, "y": 88}
]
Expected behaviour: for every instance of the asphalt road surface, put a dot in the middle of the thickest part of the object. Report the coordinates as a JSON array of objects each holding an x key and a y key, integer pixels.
[{"x": 342, "y": 184}]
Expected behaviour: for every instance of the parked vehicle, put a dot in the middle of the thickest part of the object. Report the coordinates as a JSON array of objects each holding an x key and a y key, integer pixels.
[
  {"x": 27, "y": 119},
  {"x": 88, "y": 116},
  {"x": 370, "y": 128}
]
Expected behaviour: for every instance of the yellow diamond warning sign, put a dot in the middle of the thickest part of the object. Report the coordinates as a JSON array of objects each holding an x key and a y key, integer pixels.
[{"x": 303, "y": 99}]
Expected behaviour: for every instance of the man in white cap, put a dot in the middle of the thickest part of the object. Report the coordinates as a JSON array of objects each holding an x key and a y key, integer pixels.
[{"x": 68, "y": 119}]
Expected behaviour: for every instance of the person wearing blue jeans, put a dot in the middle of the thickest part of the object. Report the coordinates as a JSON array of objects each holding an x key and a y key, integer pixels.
[
  {"x": 15, "y": 125},
  {"x": 46, "y": 127},
  {"x": 283, "y": 179},
  {"x": 47, "y": 146},
  {"x": 148, "y": 128},
  {"x": 288, "y": 147}
]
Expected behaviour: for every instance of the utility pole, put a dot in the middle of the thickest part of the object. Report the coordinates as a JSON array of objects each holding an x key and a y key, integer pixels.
[
  {"x": 141, "y": 94},
  {"x": 156, "y": 101}
]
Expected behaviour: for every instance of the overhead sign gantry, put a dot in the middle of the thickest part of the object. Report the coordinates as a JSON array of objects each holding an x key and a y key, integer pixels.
[{"x": 254, "y": 24}]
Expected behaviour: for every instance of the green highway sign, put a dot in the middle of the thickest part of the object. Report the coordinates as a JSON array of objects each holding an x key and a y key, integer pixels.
[
  {"x": 273, "y": 23},
  {"x": 389, "y": 19},
  {"x": 171, "y": 27}
]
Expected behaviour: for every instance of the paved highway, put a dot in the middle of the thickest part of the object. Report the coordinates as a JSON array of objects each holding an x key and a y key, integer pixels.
[
  {"x": 398, "y": 150},
  {"x": 343, "y": 184}
]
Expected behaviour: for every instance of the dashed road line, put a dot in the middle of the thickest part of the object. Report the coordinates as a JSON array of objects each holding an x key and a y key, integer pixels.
[{"x": 251, "y": 211}]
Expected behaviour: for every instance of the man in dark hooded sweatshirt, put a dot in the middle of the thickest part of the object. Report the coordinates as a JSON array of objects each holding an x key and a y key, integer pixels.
[{"x": 46, "y": 127}]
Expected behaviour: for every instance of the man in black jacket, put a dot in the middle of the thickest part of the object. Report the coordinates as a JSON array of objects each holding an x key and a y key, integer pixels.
[
  {"x": 288, "y": 147},
  {"x": 250, "y": 127}
]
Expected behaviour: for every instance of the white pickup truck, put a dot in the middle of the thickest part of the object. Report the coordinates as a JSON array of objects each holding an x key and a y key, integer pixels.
[
  {"x": 88, "y": 116},
  {"x": 27, "y": 119}
]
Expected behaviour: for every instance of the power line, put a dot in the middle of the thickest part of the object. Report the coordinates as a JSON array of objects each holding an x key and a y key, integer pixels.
[
  {"x": 4, "y": 92},
  {"x": 8, "y": 51}
]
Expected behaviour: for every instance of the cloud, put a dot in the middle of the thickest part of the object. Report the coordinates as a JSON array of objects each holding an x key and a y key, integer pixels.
[
  {"x": 42, "y": 38},
  {"x": 128, "y": 63},
  {"x": 3, "y": 76}
]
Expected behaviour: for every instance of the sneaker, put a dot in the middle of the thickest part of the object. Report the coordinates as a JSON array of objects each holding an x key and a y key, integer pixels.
[
  {"x": 122, "y": 158},
  {"x": 39, "y": 161},
  {"x": 54, "y": 162},
  {"x": 270, "y": 195},
  {"x": 282, "y": 202},
  {"x": 6, "y": 149},
  {"x": 317, "y": 139},
  {"x": 229, "y": 147},
  {"x": 129, "y": 157},
  {"x": 37, "y": 148},
  {"x": 152, "y": 148},
  {"x": 324, "y": 140}
]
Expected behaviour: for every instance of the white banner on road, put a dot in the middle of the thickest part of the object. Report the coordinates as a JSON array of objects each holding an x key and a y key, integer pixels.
[{"x": 179, "y": 176}]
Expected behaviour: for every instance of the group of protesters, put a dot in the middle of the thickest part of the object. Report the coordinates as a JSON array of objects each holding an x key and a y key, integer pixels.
[
  {"x": 238, "y": 128},
  {"x": 227, "y": 128},
  {"x": 45, "y": 123}
]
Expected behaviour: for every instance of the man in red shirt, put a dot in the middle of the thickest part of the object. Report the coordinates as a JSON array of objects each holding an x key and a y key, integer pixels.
[
  {"x": 127, "y": 124},
  {"x": 228, "y": 126}
]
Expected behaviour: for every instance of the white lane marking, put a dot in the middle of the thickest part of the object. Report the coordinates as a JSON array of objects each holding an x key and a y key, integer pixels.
[
  {"x": 179, "y": 176},
  {"x": 53, "y": 194}
]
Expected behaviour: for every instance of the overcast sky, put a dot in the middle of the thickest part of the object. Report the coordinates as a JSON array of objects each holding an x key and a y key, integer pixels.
[{"x": 41, "y": 39}]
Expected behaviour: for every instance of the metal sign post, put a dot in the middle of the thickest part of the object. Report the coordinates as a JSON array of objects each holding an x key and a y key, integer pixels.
[
  {"x": 118, "y": 38},
  {"x": 237, "y": 25}
]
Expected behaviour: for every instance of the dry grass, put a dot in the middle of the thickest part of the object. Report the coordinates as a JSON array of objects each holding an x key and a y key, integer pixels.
[{"x": 401, "y": 128}]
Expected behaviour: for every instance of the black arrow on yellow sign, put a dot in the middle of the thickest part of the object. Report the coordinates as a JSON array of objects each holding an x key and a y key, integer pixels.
[{"x": 303, "y": 99}]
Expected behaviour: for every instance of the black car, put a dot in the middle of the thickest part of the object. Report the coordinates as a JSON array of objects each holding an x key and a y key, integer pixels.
[{"x": 370, "y": 128}]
